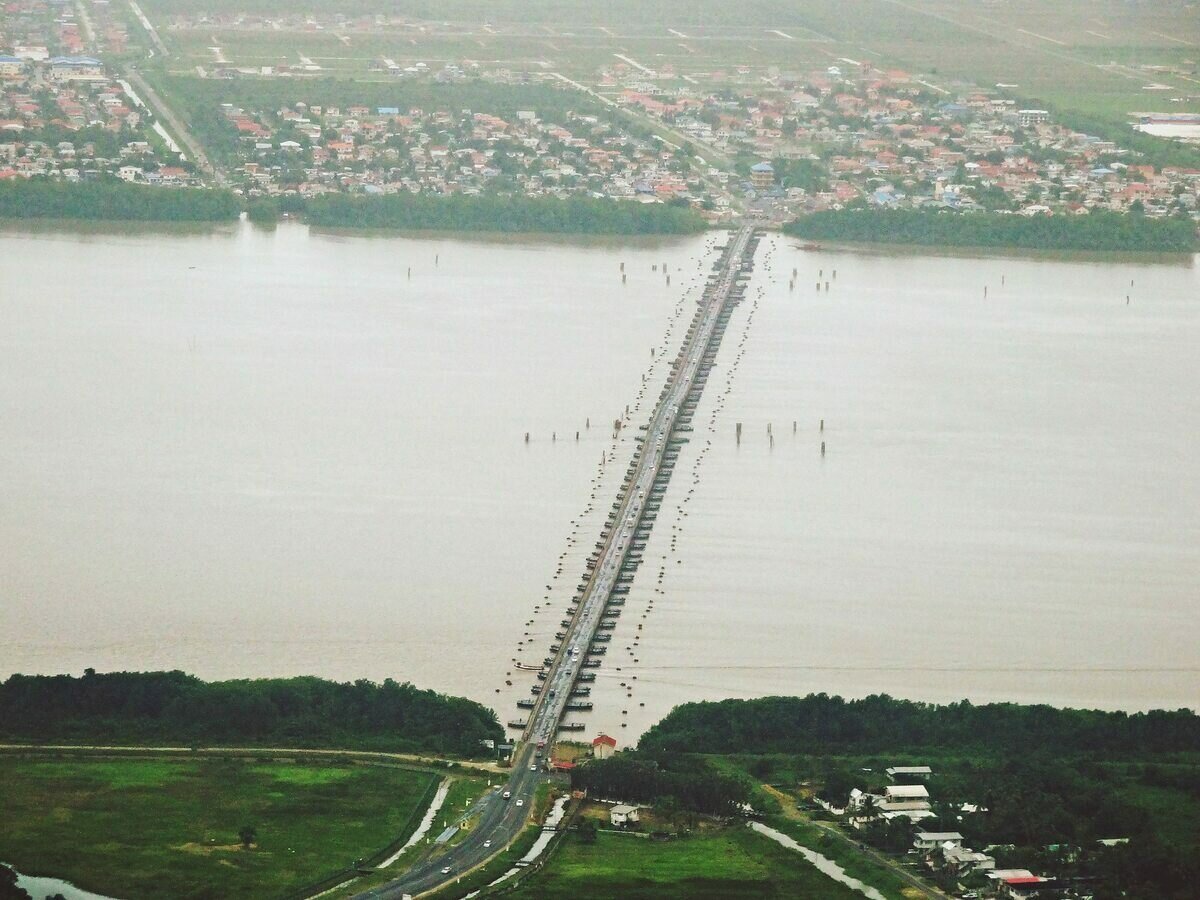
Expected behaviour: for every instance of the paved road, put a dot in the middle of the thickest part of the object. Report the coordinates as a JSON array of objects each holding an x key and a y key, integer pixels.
[
  {"x": 164, "y": 112},
  {"x": 502, "y": 818}
]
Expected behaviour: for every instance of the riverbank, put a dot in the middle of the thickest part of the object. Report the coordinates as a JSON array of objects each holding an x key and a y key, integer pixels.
[
  {"x": 118, "y": 201},
  {"x": 1098, "y": 232},
  {"x": 547, "y": 215},
  {"x": 114, "y": 201},
  {"x": 172, "y": 707}
]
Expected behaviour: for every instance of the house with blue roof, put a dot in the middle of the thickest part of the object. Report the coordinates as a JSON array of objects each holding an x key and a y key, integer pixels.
[
  {"x": 76, "y": 68},
  {"x": 12, "y": 67}
]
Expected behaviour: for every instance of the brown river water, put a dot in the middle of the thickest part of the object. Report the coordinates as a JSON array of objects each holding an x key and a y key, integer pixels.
[{"x": 245, "y": 453}]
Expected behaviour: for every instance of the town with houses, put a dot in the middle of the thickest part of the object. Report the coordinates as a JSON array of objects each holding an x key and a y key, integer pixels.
[
  {"x": 66, "y": 114},
  {"x": 774, "y": 147},
  {"x": 944, "y": 854}
]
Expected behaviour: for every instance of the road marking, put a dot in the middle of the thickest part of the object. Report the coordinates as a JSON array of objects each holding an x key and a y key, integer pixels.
[
  {"x": 1043, "y": 37},
  {"x": 1175, "y": 39},
  {"x": 1099, "y": 35},
  {"x": 634, "y": 63},
  {"x": 782, "y": 34},
  {"x": 579, "y": 87}
]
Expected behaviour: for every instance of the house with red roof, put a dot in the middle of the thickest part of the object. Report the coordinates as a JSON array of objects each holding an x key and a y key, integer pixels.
[{"x": 603, "y": 746}]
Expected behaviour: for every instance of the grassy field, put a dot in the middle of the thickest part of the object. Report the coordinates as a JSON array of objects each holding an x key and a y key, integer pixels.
[
  {"x": 149, "y": 828},
  {"x": 729, "y": 863},
  {"x": 1099, "y": 57}
]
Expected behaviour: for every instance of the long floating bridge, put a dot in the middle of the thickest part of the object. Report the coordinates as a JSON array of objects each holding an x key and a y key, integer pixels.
[{"x": 581, "y": 643}]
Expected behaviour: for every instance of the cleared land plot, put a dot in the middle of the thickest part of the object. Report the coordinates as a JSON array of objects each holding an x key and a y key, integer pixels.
[
  {"x": 580, "y": 54},
  {"x": 148, "y": 828},
  {"x": 1094, "y": 57},
  {"x": 730, "y": 863}
]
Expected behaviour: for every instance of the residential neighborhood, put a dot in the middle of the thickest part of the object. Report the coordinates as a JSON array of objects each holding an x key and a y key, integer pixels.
[
  {"x": 854, "y": 133},
  {"x": 891, "y": 816},
  {"x": 68, "y": 115},
  {"x": 725, "y": 142}
]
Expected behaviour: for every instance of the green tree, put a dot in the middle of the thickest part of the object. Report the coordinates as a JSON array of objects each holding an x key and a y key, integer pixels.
[{"x": 586, "y": 830}]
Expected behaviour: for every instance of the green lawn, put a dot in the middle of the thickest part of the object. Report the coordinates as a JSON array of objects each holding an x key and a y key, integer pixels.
[
  {"x": 853, "y": 863},
  {"x": 152, "y": 828},
  {"x": 730, "y": 863}
]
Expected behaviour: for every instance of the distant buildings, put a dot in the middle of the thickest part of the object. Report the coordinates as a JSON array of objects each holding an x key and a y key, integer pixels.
[
  {"x": 76, "y": 68},
  {"x": 12, "y": 67},
  {"x": 762, "y": 176}
]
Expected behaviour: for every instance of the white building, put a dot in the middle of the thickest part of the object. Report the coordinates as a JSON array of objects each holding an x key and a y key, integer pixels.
[
  {"x": 931, "y": 840},
  {"x": 622, "y": 815},
  {"x": 911, "y": 773}
]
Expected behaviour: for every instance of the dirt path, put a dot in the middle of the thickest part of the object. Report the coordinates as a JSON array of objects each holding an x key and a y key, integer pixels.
[{"x": 916, "y": 887}]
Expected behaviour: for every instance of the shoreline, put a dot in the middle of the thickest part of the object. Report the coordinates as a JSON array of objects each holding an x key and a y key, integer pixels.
[{"x": 875, "y": 248}]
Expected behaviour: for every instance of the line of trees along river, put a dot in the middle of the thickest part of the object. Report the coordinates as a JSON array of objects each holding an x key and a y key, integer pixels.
[
  {"x": 174, "y": 707},
  {"x": 112, "y": 200},
  {"x": 575, "y": 215},
  {"x": 820, "y": 723},
  {"x": 1100, "y": 231}
]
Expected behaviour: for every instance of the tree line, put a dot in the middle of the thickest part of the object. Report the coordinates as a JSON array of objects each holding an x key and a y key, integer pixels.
[
  {"x": 114, "y": 200},
  {"x": 575, "y": 215},
  {"x": 687, "y": 782},
  {"x": 820, "y": 723},
  {"x": 1099, "y": 230},
  {"x": 174, "y": 707}
]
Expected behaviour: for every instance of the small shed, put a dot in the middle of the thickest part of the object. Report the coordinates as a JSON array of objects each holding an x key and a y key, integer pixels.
[{"x": 622, "y": 815}]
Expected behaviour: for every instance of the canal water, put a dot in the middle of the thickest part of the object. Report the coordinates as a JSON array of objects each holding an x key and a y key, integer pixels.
[
  {"x": 246, "y": 453},
  {"x": 43, "y": 888}
]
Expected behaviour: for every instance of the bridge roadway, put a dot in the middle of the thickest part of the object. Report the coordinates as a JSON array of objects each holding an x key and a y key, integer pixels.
[{"x": 501, "y": 819}]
